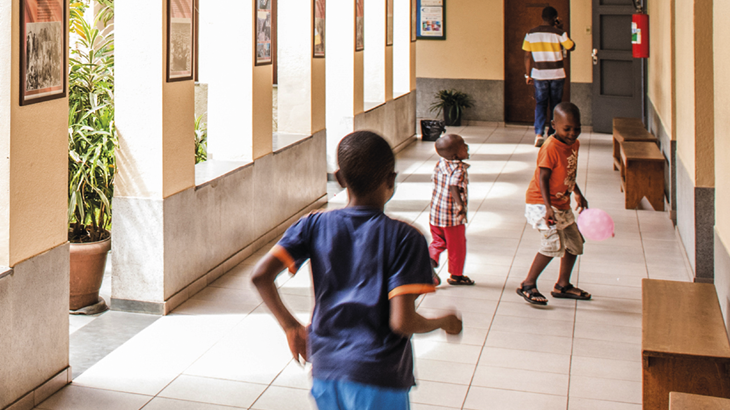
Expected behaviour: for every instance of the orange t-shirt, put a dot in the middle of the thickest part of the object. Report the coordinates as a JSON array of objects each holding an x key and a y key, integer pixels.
[{"x": 562, "y": 159}]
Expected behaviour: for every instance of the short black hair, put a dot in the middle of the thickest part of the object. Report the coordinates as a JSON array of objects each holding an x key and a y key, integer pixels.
[
  {"x": 567, "y": 108},
  {"x": 365, "y": 160},
  {"x": 549, "y": 13}
]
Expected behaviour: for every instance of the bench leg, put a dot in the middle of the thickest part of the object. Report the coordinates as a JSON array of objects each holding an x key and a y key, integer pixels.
[
  {"x": 616, "y": 155},
  {"x": 644, "y": 179}
]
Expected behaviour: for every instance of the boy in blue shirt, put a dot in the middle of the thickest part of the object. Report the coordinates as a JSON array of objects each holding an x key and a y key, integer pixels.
[{"x": 367, "y": 271}]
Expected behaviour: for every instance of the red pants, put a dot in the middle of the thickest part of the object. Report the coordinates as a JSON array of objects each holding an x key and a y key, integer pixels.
[{"x": 453, "y": 240}]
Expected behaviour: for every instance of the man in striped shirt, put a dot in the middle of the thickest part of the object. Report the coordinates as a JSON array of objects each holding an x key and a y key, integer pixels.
[{"x": 544, "y": 46}]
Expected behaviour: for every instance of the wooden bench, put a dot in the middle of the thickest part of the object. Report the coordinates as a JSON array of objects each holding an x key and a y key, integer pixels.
[
  {"x": 628, "y": 129},
  {"x": 642, "y": 174},
  {"x": 684, "y": 345},
  {"x": 684, "y": 401}
]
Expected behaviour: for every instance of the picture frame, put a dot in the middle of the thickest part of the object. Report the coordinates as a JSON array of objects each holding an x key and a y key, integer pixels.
[
  {"x": 389, "y": 22},
  {"x": 181, "y": 33},
  {"x": 263, "y": 23},
  {"x": 414, "y": 20},
  {"x": 359, "y": 25},
  {"x": 43, "y": 50},
  {"x": 431, "y": 20},
  {"x": 318, "y": 25}
]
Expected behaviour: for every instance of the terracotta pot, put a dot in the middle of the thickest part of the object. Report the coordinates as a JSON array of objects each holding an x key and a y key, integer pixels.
[{"x": 88, "y": 261}]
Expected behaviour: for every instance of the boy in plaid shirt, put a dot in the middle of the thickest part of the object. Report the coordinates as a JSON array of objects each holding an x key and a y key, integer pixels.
[{"x": 448, "y": 206}]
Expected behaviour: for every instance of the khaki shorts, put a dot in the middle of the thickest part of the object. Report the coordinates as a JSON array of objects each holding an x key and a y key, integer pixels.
[{"x": 555, "y": 242}]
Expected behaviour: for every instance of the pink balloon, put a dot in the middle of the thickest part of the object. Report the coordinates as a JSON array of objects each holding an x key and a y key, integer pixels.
[{"x": 595, "y": 224}]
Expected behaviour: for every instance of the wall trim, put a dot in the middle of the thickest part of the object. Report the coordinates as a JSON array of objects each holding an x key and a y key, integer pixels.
[{"x": 42, "y": 392}]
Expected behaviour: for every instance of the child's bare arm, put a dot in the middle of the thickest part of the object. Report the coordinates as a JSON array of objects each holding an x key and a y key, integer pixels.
[
  {"x": 461, "y": 209},
  {"x": 406, "y": 321},
  {"x": 545, "y": 191},
  {"x": 263, "y": 278}
]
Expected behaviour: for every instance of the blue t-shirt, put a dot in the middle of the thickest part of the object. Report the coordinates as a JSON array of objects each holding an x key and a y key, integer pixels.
[{"x": 360, "y": 259}]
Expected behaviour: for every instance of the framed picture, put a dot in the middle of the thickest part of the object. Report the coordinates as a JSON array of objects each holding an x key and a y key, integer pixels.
[
  {"x": 388, "y": 22},
  {"x": 180, "y": 40},
  {"x": 431, "y": 19},
  {"x": 359, "y": 25},
  {"x": 414, "y": 19},
  {"x": 319, "y": 26},
  {"x": 43, "y": 50},
  {"x": 263, "y": 16}
]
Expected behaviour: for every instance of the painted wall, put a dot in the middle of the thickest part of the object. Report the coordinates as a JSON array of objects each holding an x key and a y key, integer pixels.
[
  {"x": 660, "y": 64},
  {"x": 684, "y": 29},
  {"x": 722, "y": 154}
]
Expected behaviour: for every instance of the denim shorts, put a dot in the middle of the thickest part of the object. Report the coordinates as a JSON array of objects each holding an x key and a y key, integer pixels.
[{"x": 347, "y": 395}]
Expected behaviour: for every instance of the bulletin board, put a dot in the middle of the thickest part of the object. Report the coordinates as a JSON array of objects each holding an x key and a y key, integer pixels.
[{"x": 431, "y": 19}]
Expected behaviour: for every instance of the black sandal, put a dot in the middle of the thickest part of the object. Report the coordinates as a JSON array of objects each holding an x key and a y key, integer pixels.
[
  {"x": 563, "y": 292},
  {"x": 530, "y": 294},
  {"x": 459, "y": 280}
]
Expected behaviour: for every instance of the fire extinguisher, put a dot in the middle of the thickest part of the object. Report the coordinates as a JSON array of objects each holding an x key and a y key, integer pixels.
[{"x": 640, "y": 33}]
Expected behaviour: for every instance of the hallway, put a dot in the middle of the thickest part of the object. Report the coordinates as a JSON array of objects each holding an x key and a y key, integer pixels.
[{"x": 222, "y": 349}]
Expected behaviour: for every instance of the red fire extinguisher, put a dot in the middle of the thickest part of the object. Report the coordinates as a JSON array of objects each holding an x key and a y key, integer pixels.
[{"x": 640, "y": 35}]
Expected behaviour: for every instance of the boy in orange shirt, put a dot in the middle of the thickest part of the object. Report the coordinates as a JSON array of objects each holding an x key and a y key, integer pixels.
[{"x": 548, "y": 207}]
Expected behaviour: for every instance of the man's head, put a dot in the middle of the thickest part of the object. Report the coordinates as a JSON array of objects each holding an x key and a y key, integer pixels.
[
  {"x": 452, "y": 146},
  {"x": 549, "y": 14},
  {"x": 366, "y": 162},
  {"x": 566, "y": 122}
]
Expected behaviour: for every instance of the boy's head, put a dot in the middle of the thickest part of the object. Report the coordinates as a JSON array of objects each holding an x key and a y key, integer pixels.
[
  {"x": 452, "y": 146},
  {"x": 549, "y": 14},
  {"x": 566, "y": 122},
  {"x": 366, "y": 163}
]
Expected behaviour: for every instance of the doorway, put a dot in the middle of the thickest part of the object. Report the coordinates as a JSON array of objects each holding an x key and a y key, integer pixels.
[
  {"x": 519, "y": 17},
  {"x": 618, "y": 78}
]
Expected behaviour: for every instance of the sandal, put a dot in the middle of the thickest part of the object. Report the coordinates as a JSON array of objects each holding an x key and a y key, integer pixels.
[
  {"x": 531, "y": 294},
  {"x": 564, "y": 292},
  {"x": 459, "y": 280},
  {"x": 436, "y": 279}
]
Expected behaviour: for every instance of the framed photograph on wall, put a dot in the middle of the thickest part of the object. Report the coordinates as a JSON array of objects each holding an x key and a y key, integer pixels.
[
  {"x": 359, "y": 25},
  {"x": 431, "y": 20},
  {"x": 414, "y": 19},
  {"x": 180, "y": 40},
  {"x": 43, "y": 50},
  {"x": 319, "y": 28},
  {"x": 388, "y": 22},
  {"x": 264, "y": 17}
]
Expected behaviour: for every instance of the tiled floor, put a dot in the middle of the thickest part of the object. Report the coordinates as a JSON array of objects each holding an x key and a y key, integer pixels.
[{"x": 222, "y": 349}]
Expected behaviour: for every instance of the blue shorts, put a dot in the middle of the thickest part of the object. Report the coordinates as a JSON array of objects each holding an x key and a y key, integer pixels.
[{"x": 347, "y": 395}]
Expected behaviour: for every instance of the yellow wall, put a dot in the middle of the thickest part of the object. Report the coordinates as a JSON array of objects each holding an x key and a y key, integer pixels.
[
  {"x": 722, "y": 120},
  {"x": 705, "y": 108},
  {"x": 661, "y": 74},
  {"x": 474, "y": 45},
  {"x": 685, "y": 72},
  {"x": 262, "y": 101},
  {"x": 319, "y": 95},
  {"x": 178, "y": 145}
]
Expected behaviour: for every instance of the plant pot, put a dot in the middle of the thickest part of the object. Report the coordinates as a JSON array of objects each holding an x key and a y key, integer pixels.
[
  {"x": 88, "y": 261},
  {"x": 431, "y": 130},
  {"x": 450, "y": 120}
]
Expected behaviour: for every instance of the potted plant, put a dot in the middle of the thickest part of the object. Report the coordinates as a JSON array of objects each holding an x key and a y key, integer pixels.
[
  {"x": 92, "y": 139},
  {"x": 452, "y": 103}
]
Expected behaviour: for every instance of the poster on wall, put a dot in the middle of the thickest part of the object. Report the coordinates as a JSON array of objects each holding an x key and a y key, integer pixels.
[
  {"x": 319, "y": 25},
  {"x": 389, "y": 22},
  {"x": 431, "y": 17},
  {"x": 414, "y": 20},
  {"x": 359, "y": 25},
  {"x": 42, "y": 50},
  {"x": 180, "y": 40},
  {"x": 263, "y": 32}
]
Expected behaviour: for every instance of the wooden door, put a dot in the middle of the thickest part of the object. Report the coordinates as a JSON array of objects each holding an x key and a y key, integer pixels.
[
  {"x": 519, "y": 17},
  {"x": 618, "y": 78}
]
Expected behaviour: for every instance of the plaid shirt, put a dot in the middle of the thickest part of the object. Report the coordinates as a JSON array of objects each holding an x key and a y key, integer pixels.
[{"x": 443, "y": 206}]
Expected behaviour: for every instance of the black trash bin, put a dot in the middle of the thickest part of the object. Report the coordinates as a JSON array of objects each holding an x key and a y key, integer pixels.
[{"x": 431, "y": 130}]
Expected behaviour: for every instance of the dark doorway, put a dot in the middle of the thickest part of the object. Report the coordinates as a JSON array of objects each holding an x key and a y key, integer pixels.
[
  {"x": 519, "y": 17},
  {"x": 618, "y": 85}
]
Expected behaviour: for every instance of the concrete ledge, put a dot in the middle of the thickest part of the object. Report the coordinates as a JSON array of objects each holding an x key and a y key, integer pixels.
[
  {"x": 164, "y": 308},
  {"x": 42, "y": 392}
]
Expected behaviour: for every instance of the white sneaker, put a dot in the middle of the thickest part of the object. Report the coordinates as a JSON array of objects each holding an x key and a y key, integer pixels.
[{"x": 539, "y": 140}]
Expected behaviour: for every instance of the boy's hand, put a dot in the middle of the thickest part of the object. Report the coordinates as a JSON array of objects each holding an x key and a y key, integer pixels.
[
  {"x": 297, "y": 338},
  {"x": 582, "y": 203},
  {"x": 452, "y": 324},
  {"x": 460, "y": 214},
  {"x": 549, "y": 216}
]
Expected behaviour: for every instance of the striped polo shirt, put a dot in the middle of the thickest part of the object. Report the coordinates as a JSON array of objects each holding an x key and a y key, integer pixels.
[{"x": 544, "y": 43}]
